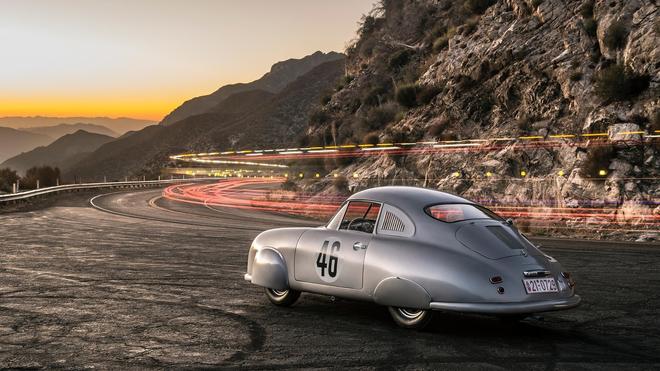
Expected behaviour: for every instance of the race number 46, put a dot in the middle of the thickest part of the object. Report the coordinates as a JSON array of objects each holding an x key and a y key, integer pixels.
[{"x": 327, "y": 262}]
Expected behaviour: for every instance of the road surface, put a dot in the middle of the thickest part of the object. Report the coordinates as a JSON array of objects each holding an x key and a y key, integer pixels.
[{"x": 139, "y": 281}]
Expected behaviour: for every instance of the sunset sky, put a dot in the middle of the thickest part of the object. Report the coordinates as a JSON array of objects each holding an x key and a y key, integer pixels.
[{"x": 142, "y": 58}]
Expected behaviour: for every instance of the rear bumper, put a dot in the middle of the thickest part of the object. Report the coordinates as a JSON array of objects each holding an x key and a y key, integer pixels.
[{"x": 509, "y": 308}]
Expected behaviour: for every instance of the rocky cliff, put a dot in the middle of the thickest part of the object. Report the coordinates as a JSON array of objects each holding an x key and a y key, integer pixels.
[{"x": 534, "y": 71}]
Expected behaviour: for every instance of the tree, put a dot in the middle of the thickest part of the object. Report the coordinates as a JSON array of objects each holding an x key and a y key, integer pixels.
[
  {"x": 47, "y": 176},
  {"x": 7, "y": 178}
]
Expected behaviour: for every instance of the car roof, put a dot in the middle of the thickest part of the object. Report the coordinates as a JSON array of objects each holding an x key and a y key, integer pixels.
[{"x": 408, "y": 198}]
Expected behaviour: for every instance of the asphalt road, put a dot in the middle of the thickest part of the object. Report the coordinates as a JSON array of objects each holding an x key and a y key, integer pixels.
[{"x": 142, "y": 282}]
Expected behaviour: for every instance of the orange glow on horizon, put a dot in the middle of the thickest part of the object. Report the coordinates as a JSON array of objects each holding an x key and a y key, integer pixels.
[{"x": 147, "y": 109}]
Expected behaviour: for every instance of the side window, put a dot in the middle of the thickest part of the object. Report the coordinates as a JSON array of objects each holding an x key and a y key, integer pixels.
[
  {"x": 360, "y": 216},
  {"x": 394, "y": 222}
]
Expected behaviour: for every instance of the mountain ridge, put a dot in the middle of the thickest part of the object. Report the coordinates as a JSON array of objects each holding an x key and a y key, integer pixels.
[
  {"x": 120, "y": 125},
  {"x": 13, "y": 141},
  {"x": 281, "y": 74},
  {"x": 62, "y": 153},
  {"x": 243, "y": 118},
  {"x": 57, "y": 131}
]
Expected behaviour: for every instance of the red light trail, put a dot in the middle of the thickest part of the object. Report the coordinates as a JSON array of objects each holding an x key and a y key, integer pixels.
[{"x": 251, "y": 193}]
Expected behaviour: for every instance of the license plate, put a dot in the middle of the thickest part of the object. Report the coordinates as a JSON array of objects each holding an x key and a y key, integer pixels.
[{"x": 540, "y": 285}]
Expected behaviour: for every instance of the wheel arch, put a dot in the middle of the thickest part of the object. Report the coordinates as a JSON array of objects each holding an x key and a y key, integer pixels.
[{"x": 269, "y": 269}]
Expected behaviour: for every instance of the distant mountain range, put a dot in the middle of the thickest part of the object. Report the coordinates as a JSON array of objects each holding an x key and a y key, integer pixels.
[
  {"x": 62, "y": 153},
  {"x": 272, "y": 110},
  {"x": 14, "y": 141},
  {"x": 118, "y": 125},
  {"x": 60, "y": 130},
  {"x": 281, "y": 74}
]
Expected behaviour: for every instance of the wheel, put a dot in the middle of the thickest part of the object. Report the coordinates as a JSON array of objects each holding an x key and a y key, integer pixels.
[
  {"x": 284, "y": 298},
  {"x": 411, "y": 318}
]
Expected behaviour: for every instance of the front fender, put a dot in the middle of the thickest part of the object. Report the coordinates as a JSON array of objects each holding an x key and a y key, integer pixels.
[
  {"x": 401, "y": 292},
  {"x": 269, "y": 269}
]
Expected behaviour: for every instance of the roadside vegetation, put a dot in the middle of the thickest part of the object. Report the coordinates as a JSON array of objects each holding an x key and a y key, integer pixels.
[{"x": 46, "y": 176}]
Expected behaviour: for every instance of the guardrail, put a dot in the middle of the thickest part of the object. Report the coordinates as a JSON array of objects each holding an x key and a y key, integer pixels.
[{"x": 84, "y": 186}]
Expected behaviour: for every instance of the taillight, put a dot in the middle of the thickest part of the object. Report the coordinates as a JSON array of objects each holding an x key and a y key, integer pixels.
[{"x": 567, "y": 276}]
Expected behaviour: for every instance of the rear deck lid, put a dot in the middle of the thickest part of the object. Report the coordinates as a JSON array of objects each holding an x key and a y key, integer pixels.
[{"x": 494, "y": 240}]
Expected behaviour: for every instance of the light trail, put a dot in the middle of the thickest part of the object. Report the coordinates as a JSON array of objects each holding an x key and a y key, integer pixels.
[
  {"x": 405, "y": 148},
  {"x": 245, "y": 193}
]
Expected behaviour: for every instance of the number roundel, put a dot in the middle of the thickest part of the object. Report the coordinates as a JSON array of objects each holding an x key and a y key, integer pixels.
[{"x": 327, "y": 261}]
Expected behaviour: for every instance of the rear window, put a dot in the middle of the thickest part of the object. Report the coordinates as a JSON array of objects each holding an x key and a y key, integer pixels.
[{"x": 450, "y": 213}]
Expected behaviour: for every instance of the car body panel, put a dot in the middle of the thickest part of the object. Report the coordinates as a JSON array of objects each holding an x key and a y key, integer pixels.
[
  {"x": 319, "y": 250},
  {"x": 415, "y": 261}
]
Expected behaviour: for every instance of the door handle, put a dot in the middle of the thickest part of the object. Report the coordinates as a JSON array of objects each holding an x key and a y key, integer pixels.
[{"x": 359, "y": 245}]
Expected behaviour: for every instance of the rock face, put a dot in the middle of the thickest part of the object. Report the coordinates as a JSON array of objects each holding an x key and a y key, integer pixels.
[
  {"x": 505, "y": 69},
  {"x": 281, "y": 74}
]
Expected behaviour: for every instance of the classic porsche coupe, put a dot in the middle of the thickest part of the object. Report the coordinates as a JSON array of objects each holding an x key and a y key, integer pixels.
[{"x": 416, "y": 251}]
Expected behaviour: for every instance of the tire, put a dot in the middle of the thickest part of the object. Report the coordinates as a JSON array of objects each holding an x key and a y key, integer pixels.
[
  {"x": 283, "y": 298},
  {"x": 411, "y": 318}
]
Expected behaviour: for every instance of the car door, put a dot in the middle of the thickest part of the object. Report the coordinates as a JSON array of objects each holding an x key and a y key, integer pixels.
[{"x": 334, "y": 255}]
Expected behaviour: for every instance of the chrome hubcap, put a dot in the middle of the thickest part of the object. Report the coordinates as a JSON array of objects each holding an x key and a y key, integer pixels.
[
  {"x": 410, "y": 313},
  {"x": 279, "y": 292}
]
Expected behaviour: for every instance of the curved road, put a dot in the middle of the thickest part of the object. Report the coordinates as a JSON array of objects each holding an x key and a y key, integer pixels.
[{"x": 138, "y": 281}]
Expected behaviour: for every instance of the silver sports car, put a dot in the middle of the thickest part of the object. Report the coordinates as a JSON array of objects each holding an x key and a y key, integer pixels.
[{"x": 414, "y": 250}]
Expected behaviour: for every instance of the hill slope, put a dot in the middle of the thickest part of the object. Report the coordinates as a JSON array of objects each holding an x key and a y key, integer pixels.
[
  {"x": 254, "y": 117},
  {"x": 280, "y": 75},
  {"x": 13, "y": 142},
  {"x": 62, "y": 153}
]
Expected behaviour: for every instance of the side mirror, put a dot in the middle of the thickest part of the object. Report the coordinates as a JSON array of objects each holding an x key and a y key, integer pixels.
[{"x": 509, "y": 221}]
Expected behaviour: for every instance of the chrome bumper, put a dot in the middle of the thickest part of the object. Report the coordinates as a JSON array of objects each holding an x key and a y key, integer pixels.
[{"x": 509, "y": 308}]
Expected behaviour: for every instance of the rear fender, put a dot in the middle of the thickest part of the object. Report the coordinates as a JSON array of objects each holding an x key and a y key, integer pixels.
[
  {"x": 401, "y": 292},
  {"x": 269, "y": 269}
]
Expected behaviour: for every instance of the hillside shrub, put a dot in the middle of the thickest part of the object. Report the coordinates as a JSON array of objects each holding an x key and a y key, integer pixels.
[
  {"x": 371, "y": 138},
  {"x": 616, "y": 35},
  {"x": 590, "y": 26},
  {"x": 598, "y": 158},
  {"x": 319, "y": 116},
  {"x": 655, "y": 122},
  {"x": 536, "y": 3},
  {"x": 377, "y": 118},
  {"x": 524, "y": 124},
  {"x": 7, "y": 178},
  {"x": 378, "y": 94},
  {"x": 289, "y": 185},
  {"x": 325, "y": 99},
  {"x": 587, "y": 9},
  {"x": 575, "y": 76},
  {"x": 477, "y": 6},
  {"x": 616, "y": 83},
  {"x": 440, "y": 43},
  {"x": 399, "y": 59},
  {"x": 340, "y": 183},
  {"x": 426, "y": 93},
  {"x": 406, "y": 95},
  {"x": 438, "y": 128},
  {"x": 470, "y": 26}
]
